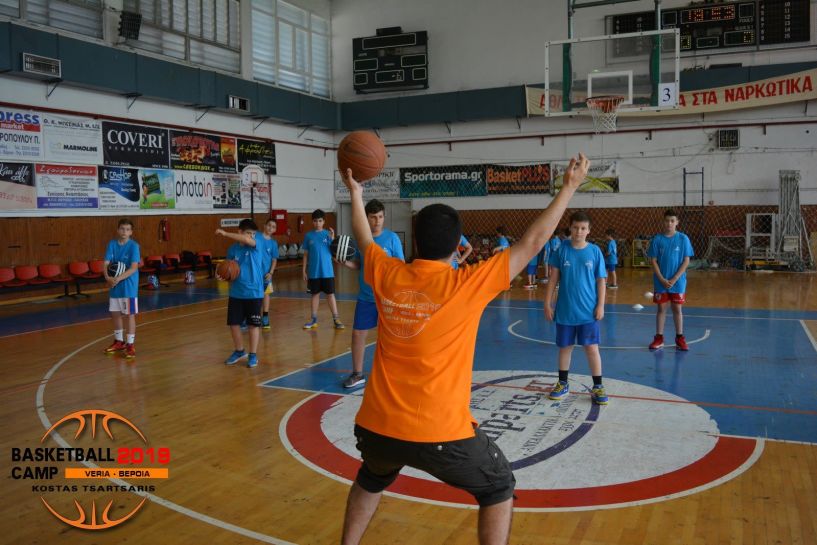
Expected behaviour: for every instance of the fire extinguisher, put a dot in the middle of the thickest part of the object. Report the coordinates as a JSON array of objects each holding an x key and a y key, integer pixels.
[
  {"x": 164, "y": 230},
  {"x": 300, "y": 223}
]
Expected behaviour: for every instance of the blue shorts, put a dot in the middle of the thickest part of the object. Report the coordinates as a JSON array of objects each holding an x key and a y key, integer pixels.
[
  {"x": 583, "y": 335},
  {"x": 365, "y": 315},
  {"x": 532, "y": 269},
  {"x": 610, "y": 267}
]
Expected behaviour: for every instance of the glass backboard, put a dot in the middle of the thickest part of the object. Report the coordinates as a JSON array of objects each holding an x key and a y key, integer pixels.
[{"x": 642, "y": 67}]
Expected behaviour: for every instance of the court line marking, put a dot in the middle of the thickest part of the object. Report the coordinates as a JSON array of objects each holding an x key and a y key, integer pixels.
[
  {"x": 152, "y": 497},
  {"x": 263, "y": 537},
  {"x": 515, "y": 334},
  {"x": 72, "y": 324},
  {"x": 682, "y": 401},
  {"x": 686, "y": 315},
  {"x": 749, "y": 462},
  {"x": 290, "y": 297},
  {"x": 809, "y": 335},
  {"x": 309, "y": 366}
]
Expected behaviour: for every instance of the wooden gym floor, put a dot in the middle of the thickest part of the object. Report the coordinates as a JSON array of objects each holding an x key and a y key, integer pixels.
[{"x": 262, "y": 455}]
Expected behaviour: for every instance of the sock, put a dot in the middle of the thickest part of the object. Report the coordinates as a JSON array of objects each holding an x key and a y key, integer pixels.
[
  {"x": 563, "y": 375},
  {"x": 596, "y": 381},
  {"x": 131, "y": 338},
  {"x": 266, "y": 314},
  {"x": 118, "y": 335},
  {"x": 679, "y": 335},
  {"x": 336, "y": 317}
]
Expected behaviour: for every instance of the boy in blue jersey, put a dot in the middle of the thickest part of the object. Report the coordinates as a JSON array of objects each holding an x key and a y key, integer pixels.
[
  {"x": 319, "y": 274},
  {"x": 669, "y": 255},
  {"x": 464, "y": 249},
  {"x": 123, "y": 297},
  {"x": 611, "y": 258},
  {"x": 246, "y": 291},
  {"x": 533, "y": 264},
  {"x": 270, "y": 254},
  {"x": 579, "y": 267},
  {"x": 366, "y": 309},
  {"x": 502, "y": 243},
  {"x": 549, "y": 249}
]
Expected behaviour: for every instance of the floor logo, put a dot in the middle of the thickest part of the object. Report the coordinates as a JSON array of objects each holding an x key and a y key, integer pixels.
[
  {"x": 566, "y": 455},
  {"x": 91, "y": 461}
]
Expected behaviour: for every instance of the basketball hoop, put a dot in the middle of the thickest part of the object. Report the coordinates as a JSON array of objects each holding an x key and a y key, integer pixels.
[{"x": 604, "y": 110}]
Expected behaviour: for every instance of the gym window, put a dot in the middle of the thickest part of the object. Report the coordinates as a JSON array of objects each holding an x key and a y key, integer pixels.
[
  {"x": 290, "y": 47},
  {"x": 80, "y": 16},
  {"x": 204, "y": 32}
]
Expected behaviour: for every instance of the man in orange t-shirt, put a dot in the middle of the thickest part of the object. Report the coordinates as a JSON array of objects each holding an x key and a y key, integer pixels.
[{"x": 415, "y": 409}]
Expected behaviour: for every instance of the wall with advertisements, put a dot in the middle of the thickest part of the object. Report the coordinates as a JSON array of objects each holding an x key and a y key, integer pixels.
[{"x": 145, "y": 157}]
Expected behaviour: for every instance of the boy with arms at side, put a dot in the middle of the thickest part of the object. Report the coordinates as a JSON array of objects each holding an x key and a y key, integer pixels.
[
  {"x": 669, "y": 255},
  {"x": 270, "y": 254},
  {"x": 319, "y": 274},
  {"x": 365, "y": 309},
  {"x": 415, "y": 409},
  {"x": 246, "y": 291},
  {"x": 578, "y": 267},
  {"x": 124, "y": 292},
  {"x": 611, "y": 258}
]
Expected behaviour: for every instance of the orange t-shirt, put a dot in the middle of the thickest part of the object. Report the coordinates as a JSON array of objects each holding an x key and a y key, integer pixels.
[{"x": 420, "y": 386}]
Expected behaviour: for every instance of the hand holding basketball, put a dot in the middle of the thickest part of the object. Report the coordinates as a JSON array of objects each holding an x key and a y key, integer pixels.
[
  {"x": 349, "y": 181},
  {"x": 363, "y": 153},
  {"x": 228, "y": 270}
]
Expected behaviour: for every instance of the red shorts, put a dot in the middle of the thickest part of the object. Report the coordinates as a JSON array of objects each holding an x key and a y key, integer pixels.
[{"x": 664, "y": 297}]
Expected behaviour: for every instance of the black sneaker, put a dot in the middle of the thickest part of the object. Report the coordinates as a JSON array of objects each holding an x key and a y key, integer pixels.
[{"x": 355, "y": 379}]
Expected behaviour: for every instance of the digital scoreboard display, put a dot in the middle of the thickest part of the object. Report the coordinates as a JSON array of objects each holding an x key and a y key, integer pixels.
[
  {"x": 734, "y": 24},
  {"x": 784, "y": 21}
]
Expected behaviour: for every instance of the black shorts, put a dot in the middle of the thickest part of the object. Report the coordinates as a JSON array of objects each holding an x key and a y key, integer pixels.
[
  {"x": 239, "y": 310},
  {"x": 317, "y": 285},
  {"x": 475, "y": 465}
]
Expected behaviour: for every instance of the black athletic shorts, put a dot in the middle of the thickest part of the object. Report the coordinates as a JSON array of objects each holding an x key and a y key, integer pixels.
[
  {"x": 239, "y": 310},
  {"x": 317, "y": 285},
  {"x": 475, "y": 465}
]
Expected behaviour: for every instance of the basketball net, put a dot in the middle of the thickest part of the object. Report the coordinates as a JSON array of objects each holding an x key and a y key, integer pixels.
[
  {"x": 255, "y": 189},
  {"x": 604, "y": 110}
]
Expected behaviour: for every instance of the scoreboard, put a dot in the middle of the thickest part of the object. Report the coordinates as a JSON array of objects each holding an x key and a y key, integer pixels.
[
  {"x": 392, "y": 60},
  {"x": 733, "y": 24},
  {"x": 783, "y": 21}
]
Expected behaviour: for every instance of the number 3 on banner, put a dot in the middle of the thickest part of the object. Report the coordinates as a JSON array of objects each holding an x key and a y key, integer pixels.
[{"x": 667, "y": 95}]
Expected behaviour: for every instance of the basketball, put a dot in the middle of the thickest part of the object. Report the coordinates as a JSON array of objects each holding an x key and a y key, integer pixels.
[
  {"x": 115, "y": 268},
  {"x": 364, "y": 153},
  {"x": 228, "y": 270},
  {"x": 343, "y": 248}
]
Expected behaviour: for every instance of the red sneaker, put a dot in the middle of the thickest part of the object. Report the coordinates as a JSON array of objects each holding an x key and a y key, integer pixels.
[
  {"x": 681, "y": 343},
  {"x": 657, "y": 342},
  {"x": 130, "y": 351},
  {"x": 115, "y": 347}
]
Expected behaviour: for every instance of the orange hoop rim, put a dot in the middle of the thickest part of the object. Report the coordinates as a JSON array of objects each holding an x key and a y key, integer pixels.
[{"x": 604, "y": 103}]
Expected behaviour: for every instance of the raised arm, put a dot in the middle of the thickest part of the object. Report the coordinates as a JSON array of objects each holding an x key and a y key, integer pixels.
[
  {"x": 360, "y": 227},
  {"x": 249, "y": 240},
  {"x": 542, "y": 228},
  {"x": 466, "y": 253}
]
